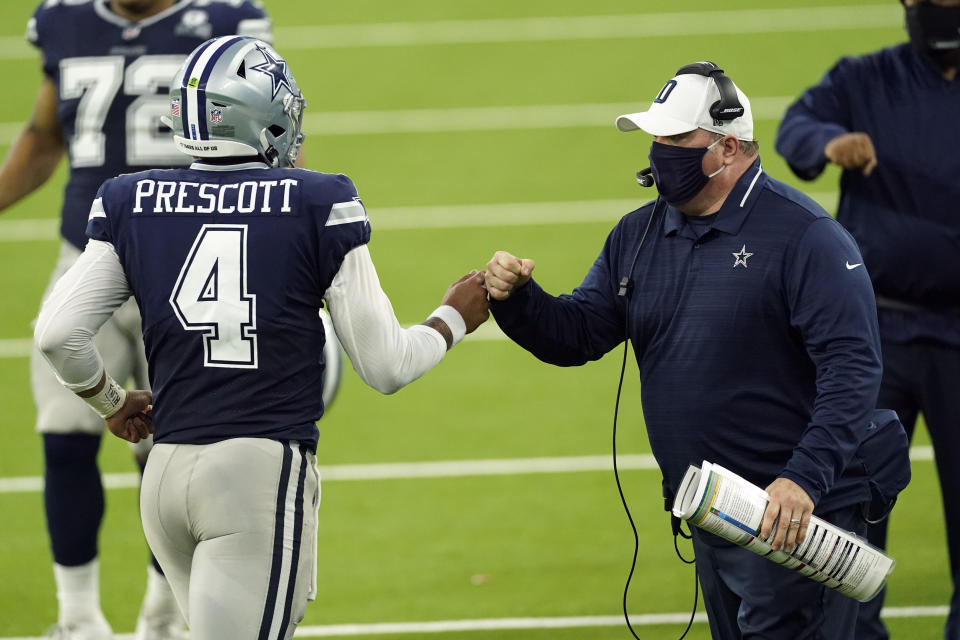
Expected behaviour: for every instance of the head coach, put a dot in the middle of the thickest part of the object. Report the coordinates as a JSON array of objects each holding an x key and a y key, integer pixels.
[{"x": 754, "y": 327}]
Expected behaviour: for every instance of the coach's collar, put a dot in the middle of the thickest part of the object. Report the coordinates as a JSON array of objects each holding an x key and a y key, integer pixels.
[{"x": 732, "y": 214}]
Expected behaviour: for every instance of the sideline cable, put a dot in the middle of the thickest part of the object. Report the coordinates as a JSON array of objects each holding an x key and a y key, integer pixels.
[{"x": 625, "y": 289}]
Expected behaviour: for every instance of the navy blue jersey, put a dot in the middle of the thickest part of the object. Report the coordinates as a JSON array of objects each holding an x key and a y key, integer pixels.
[
  {"x": 904, "y": 215},
  {"x": 229, "y": 268},
  {"x": 112, "y": 77},
  {"x": 756, "y": 338}
]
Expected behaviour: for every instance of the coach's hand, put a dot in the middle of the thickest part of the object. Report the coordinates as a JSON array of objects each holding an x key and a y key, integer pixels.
[
  {"x": 133, "y": 422},
  {"x": 468, "y": 296},
  {"x": 791, "y": 508},
  {"x": 852, "y": 151},
  {"x": 507, "y": 273}
]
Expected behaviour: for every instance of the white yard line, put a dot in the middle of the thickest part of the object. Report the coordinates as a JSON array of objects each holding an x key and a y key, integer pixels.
[
  {"x": 542, "y": 29},
  {"x": 506, "y": 624},
  {"x": 436, "y": 469},
  {"x": 603, "y": 27},
  {"x": 425, "y": 217},
  {"x": 21, "y": 347},
  {"x": 31, "y": 230},
  {"x": 434, "y": 216},
  {"x": 9, "y": 131},
  {"x": 503, "y": 624},
  {"x": 403, "y": 470},
  {"x": 15, "y": 348},
  {"x": 494, "y": 118},
  {"x": 497, "y": 118}
]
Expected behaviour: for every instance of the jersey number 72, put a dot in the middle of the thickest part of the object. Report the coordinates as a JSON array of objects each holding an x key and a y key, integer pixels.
[{"x": 96, "y": 82}]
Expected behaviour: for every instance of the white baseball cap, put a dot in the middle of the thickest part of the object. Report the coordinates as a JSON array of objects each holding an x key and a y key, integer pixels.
[{"x": 683, "y": 105}]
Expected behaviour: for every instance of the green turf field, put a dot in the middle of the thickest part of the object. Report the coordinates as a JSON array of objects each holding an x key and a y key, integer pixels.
[{"x": 522, "y": 545}]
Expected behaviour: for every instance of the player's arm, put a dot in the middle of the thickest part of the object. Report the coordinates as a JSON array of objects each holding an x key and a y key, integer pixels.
[
  {"x": 34, "y": 155},
  {"x": 387, "y": 356},
  {"x": 81, "y": 301}
]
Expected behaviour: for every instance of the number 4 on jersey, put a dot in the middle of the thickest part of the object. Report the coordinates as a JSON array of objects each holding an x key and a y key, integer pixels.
[{"x": 211, "y": 296}]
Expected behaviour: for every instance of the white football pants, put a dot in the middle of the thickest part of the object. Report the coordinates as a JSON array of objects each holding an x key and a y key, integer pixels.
[{"x": 234, "y": 527}]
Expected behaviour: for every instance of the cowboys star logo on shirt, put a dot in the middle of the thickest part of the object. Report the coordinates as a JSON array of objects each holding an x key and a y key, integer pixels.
[{"x": 740, "y": 257}]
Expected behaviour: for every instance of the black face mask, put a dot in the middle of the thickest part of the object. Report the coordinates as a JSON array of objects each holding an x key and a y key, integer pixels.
[
  {"x": 678, "y": 171},
  {"x": 935, "y": 32}
]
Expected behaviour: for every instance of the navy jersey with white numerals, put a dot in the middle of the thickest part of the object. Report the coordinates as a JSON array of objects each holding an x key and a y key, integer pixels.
[
  {"x": 229, "y": 267},
  {"x": 112, "y": 78}
]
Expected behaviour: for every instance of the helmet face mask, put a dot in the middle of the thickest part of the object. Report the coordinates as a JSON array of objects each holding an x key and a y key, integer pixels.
[
  {"x": 234, "y": 96},
  {"x": 272, "y": 140}
]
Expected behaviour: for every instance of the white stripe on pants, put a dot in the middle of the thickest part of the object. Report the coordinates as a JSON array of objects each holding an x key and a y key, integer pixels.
[{"x": 210, "y": 514}]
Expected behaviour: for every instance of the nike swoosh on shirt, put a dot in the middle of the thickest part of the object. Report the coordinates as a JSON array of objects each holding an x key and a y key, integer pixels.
[{"x": 853, "y": 266}]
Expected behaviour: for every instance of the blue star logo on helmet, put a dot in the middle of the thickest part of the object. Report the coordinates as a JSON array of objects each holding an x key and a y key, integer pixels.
[{"x": 276, "y": 69}]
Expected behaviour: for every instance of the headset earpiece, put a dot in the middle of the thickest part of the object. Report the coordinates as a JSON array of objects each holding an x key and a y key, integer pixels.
[{"x": 728, "y": 107}]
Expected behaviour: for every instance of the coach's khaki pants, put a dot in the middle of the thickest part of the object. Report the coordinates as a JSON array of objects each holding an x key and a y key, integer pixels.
[{"x": 233, "y": 525}]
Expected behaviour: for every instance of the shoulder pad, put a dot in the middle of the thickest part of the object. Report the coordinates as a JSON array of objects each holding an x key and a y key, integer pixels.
[
  {"x": 49, "y": 15},
  {"x": 243, "y": 17}
]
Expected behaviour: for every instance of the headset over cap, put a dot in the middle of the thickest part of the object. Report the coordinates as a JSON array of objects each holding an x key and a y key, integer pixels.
[
  {"x": 699, "y": 96},
  {"x": 233, "y": 97}
]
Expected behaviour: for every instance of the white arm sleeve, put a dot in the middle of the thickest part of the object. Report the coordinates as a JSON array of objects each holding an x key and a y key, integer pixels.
[
  {"x": 81, "y": 301},
  {"x": 385, "y": 355}
]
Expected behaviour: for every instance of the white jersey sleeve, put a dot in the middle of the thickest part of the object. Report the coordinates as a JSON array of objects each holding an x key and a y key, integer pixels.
[
  {"x": 385, "y": 355},
  {"x": 81, "y": 301}
]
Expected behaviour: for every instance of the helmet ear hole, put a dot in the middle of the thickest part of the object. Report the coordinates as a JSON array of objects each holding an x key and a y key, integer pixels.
[
  {"x": 276, "y": 130},
  {"x": 242, "y": 69}
]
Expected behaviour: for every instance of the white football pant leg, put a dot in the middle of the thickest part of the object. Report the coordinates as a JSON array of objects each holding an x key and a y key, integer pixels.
[{"x": 238, "y": 518}]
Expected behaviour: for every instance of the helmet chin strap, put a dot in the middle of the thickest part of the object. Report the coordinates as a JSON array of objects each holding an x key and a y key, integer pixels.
[{"x": 270, "y": 153}]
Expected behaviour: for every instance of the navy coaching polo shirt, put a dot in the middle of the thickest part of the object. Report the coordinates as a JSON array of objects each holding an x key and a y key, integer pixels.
[
  {"x": 756, "y": 338},
  {"x": 904, "y": 215}
]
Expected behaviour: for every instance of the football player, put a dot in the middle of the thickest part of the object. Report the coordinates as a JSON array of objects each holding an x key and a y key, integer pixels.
[
  {"x": 230, "y": 259},
  {"x": 107, "y": 65}
]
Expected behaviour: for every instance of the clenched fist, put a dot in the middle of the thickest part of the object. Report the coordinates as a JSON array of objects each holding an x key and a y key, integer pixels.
[
  {"x": 468, "y": 296},
  {"x": 507, "y": 273},
  {"x": 852, "y": 151}
]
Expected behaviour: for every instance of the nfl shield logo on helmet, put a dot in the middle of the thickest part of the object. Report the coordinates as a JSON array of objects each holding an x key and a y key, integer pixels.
[
  {"x": 216, "y": 115},
  {"x": 175, "y": 108}
]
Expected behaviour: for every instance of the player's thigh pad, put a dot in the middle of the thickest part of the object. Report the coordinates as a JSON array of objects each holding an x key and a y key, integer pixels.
[
  {"x": 121, "y": 346},
  {"x": 253, "y": 510}
]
